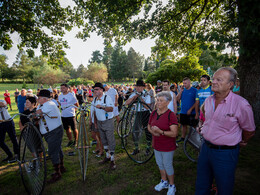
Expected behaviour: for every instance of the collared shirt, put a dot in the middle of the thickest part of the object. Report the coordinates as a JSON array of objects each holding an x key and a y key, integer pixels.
[
  {"x": 203, "y": 94},
  {"x": 145, "y": 96},
  {"x": 4, "y": 114},
  {"x": 224, "y": 125},
  {"x": 100, "y": 113},
  {"x": 51, "y": 109}
]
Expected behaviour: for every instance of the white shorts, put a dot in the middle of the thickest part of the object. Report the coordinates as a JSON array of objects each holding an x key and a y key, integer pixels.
[{"x": 115, "y": 111}]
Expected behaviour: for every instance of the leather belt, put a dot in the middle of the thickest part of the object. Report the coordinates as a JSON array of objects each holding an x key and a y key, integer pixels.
[{"x": 220, "y": 147}]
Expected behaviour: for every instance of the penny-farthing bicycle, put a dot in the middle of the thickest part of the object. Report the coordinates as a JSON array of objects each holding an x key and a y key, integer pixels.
[
  {"x": 136, "y": 139},
  {"x": 31, "y": 157},
  {"x": 83, "y": 143}
]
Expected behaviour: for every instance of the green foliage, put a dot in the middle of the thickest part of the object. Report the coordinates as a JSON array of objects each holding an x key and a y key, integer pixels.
[
  {"x": 215, "y": 60},
  {"x": 96, "y": 57},
  {"x": 24, "y": 86},
  {"x": 80, "y": 81},
  {"x": 187, "y": 66},
  {"x": 96, "y": 72},
  {"x": 118, "y": 64},
  {"x": 31, "y": 19}
]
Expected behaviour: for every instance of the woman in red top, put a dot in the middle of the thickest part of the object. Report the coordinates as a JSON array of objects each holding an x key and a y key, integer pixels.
[
  {"x": 7, "y": 98},
  {"x": 163, "y": 126}
]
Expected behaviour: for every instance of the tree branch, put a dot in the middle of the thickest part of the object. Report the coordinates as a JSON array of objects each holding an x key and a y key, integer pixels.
[
  {"x": 207, "y": 17},
  {"x": 203, "y": 8}
]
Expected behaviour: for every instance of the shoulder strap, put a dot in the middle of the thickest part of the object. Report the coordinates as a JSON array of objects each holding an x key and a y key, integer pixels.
[{"x": 105, "y": 99}]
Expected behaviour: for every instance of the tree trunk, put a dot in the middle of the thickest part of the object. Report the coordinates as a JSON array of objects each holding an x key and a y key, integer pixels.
[{"x": 249, "y": 54}]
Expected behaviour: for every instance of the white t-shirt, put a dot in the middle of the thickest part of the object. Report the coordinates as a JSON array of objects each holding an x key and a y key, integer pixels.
[
  {"x": 146, "y": 97},
  {"x": 67, "y": 101},
  {"x": 51, "y": 109},
  {"x": 100, "y": 113},
  {"x": 112, "y": 93},
  {"x": 171, "y": 106}
]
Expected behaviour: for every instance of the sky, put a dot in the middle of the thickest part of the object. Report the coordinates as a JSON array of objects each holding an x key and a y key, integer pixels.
[{"x": 80, "y": 51}]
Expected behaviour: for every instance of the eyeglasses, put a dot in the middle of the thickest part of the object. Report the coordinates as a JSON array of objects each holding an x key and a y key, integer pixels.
[{"x": 96, "y": 89}]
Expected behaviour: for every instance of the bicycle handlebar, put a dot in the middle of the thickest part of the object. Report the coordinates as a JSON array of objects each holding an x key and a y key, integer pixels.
[{"x": 30, "y": 116}]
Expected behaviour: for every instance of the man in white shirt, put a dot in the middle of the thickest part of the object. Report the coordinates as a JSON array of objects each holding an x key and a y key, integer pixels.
[
  {"x": 103, "y": 109},
  {"x": 67, "y": 101},
  {"x": 8, "y": 127},
  {"x": 114, "y": 96},
  {"x": 173, "y": 104},
  {"x": 142, "y": 116},
  {"x": 52, "y": 130}
]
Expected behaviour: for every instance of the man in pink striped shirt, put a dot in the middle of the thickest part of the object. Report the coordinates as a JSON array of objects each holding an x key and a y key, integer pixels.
[{"x": 229, "y": 124}]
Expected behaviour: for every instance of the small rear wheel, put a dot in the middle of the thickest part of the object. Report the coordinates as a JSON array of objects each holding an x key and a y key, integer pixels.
[
  {"x": 192, "y": 144},
  {"x": 83, "y": 145}
]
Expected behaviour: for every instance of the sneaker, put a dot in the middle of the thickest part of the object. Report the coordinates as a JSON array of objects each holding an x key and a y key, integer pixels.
[
  {"x": 70, "y": 143},
  {"x": 171, "y": 190},
  {"x": 180, "y": 140},
  {"x": 135, "y": 152},
  {"x": 112, "y": 165},
  {"x": 162, "y": 185}
]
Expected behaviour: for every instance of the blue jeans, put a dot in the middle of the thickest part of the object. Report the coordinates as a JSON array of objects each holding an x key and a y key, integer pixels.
[{"x": 218, "y": 164}]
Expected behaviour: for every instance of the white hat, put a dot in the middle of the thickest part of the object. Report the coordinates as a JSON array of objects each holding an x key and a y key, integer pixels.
[{"x": 29, "y": 90}]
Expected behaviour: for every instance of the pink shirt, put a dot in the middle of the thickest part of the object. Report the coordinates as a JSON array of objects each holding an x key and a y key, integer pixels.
[{"x": 224, "y": 125}]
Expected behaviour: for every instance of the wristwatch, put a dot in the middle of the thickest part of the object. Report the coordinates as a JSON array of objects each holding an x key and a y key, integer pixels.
[{"x": 162, "y": 132}]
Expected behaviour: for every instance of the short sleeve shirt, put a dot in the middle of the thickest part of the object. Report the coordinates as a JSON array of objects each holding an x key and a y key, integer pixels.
[
  {"x": 51, "y": 109},
  {"x": 164, "y": 121},
  {"x": 146, "y": 97},
  {"x": 203, "y": 94},
  {"x": 67, "y": 101},
  {"x": 188, "y": 98},
  {"x": 101, "y": 114},
  {"x": 112, "y": 93}
]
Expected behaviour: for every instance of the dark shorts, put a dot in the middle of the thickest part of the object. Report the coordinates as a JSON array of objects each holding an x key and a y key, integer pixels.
[
  {"x": 188, "y": 120},
  {"x": 69, "y": 122}
]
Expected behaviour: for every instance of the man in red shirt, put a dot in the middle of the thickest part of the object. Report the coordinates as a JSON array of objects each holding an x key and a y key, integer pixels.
[{"x": 7, "y": 98}]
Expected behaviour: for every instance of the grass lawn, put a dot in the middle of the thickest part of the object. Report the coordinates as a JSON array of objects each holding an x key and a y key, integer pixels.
[{"x": 129, "y": 177}]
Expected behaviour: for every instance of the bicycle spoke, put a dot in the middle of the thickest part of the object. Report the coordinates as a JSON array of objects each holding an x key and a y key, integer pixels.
[{"x": 136, "y": 139}]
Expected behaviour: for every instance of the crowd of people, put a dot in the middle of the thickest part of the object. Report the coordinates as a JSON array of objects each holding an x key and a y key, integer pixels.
[{"x": 225, "y": 120}]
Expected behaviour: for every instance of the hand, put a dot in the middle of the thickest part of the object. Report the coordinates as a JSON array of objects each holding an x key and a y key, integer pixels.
[
  {"x": 116, "y": 104},
  {"x": 189, "y": 112},
  {"x": 155, "y": 129},
  {"x": 95, "y": 125},
  {"x": 98, "y": 106},
  {"x": 197, "y": 116},
  {"x": 242, "y": 144}
]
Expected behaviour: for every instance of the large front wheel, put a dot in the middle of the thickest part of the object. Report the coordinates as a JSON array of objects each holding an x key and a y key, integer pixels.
[
  {"x": 32, "y": 160},
  {"x": 136, "y": 139}
]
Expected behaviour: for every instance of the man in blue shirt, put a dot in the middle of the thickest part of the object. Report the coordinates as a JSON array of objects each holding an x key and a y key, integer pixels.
[
  {"x": 205, "y": 90},
  {"x": 21, "y": 99},
  {"x": 189, "y": 111}
]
